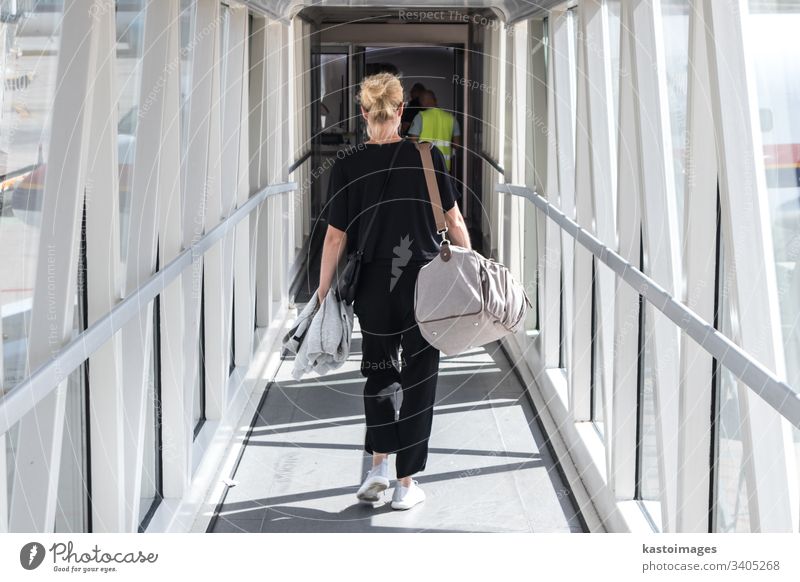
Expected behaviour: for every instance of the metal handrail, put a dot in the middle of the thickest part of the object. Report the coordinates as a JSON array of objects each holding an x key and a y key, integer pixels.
[
  {"x": 299, "y": 161},
  {"x": 19, "y": 172},
  {"x": 24, "y": 396},
  {"x": 486, "y": 158},
  {"x": 758, "y": 378}
]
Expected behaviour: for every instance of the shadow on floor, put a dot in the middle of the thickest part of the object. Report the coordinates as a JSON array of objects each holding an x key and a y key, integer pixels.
[{"x": 488, "y": 470}]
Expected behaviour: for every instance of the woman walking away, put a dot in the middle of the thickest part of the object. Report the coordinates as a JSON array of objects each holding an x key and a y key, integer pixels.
[{"x": 402, "y": 239}]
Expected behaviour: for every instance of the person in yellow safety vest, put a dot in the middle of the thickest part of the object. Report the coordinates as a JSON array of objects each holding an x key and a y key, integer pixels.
[{"x": 437, "y": 126}]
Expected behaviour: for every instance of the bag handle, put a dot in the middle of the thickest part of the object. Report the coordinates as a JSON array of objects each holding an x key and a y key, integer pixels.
[
  {"x": 363, "y": 235},
  {"x": 433, "y": 187}
]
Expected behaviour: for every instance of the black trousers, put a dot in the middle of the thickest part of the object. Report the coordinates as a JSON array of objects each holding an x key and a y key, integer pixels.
[{"x": 384, "y": 305}]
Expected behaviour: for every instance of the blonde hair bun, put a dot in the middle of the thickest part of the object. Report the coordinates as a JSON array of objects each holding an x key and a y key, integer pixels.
[{"x": 381, "y": 96}]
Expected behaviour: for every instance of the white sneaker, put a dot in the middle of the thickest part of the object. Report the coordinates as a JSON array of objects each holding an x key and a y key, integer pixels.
[
  {"x": 376, "y": 482},
  {"x": 407, "y": 497}
]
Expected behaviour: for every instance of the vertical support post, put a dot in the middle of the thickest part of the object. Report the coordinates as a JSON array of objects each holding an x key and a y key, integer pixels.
[
  {"x": 106, "y": 421},
  {"x": 298, "y": 138},
  {"x": 276, "y": 246},
  {"x": 176, "y": 402},
  {"x": 305, "y": 119},
  {"x": 553, "y": 258},
  {"x": 257, "y": 64},
  {"x": 216, "y": 324},
  {"x": 243, "y": 296},
  {"x": 198, "y": 181},
  {"x": 563, "y": 65},
  {"x": 515, "y": 236},
  {"x": 622, "y": 477},
  {"x": 580, "y": 362},
  {"x": 261, "y": 227},
  {"x": 699, "y": 259},
  {"x": 602, "y": 157},
  {"x": 288, "y": 146},
  {"x": 660, "y": 231},
  {"x": 536, "y": 171}
]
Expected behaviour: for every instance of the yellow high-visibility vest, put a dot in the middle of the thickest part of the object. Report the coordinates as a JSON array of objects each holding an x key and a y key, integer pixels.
[{"x": 437, "y": 128}]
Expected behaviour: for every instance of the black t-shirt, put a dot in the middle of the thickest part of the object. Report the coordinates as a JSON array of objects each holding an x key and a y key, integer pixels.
[{"x": 404, "y": 220}]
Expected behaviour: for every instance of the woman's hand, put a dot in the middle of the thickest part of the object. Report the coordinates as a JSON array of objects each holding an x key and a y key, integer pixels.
[{"x": 333, "y": 247}]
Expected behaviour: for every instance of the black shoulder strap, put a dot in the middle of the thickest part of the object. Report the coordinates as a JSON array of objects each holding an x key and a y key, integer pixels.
[{"x": 364, "y": 233}]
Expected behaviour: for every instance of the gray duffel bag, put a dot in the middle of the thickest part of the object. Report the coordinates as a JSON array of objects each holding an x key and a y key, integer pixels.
[{"x": 463, "y": 299}]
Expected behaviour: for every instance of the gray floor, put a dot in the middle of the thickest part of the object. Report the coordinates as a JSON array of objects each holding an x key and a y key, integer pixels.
[{"x": 488, "y": 469}]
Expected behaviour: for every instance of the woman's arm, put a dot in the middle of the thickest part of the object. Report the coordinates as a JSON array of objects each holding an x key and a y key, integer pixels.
[
  {"x": 332, "y": 249},
  {"x": 456, "y": 228}
]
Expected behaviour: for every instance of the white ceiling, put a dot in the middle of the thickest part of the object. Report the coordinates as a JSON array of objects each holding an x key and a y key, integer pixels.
[{"x": 508, "y": 10}]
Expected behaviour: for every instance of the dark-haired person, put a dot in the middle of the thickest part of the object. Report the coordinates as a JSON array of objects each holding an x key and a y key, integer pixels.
[{"x": 413, "y": 107}]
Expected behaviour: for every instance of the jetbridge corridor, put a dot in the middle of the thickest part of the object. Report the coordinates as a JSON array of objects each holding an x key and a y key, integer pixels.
[{"x": 163, "y": 186}]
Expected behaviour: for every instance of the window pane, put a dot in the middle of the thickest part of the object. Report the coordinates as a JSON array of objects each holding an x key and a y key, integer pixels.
[
  {"x": 187, "y": 33},
  {"x": 614, "y": 29},
  {"x": 224, "y": 37},
  {"x": 597, "y": 365},
  {"x": 675, "y": 23},
  {"x": 773, "y": 26},
  {"x": 562, "y": 338},
  {"x": 151, "y": 491},
  {"x": 72, "y": 509},
  {"x": 232, "y": 364},
  {"x": 649, "y": 487},
  {"x": 9, "y": 443},
  {"x": 130, "y": 35},
  {"x": 731, "y": 512},
  {"x": 573, "y": 26},
  {"x": 29, "y": 56},
  {"x": 199, "y": 407}
]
